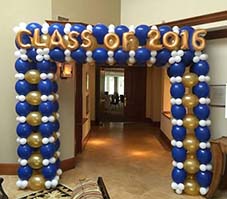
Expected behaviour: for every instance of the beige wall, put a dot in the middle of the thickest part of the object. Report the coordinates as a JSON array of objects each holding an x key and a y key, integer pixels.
[
  {"x": 156, "y": 11},
  {"x": 11, "y": 14},
  {"x": 88, "y": 11}
]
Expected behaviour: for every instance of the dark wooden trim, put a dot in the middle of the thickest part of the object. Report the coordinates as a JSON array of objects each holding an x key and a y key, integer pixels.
[
  {"x": 68, "y": 164},
  {"x": 64, "y": 22},
  {"x": 78, "y": 109},
  {"x": 11, "y": 168},
  {"x": 97, "y": 94},
  {"x": 216, "y": 34},
  {"x": 164, "y": 140},
  {"x": 202, "y": 19},
  {"x": 85, "y": 140},
  {"x": 166, "y": 114}
]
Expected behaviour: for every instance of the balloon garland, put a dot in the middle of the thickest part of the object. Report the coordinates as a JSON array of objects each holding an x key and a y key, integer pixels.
[{"x": 40, "y": 46}]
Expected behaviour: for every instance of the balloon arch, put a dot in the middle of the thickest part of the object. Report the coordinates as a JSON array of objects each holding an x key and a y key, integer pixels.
[{"x": 41, "y": 46}]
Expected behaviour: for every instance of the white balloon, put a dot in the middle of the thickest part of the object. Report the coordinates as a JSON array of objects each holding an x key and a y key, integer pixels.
[
  {"x": 178, "y": 101},
  {"x": 154, "y": 28},
  {"x": 58, "y": 134},
  {"x": 57, "y": 96},
  {"x": 174, "y": 163},
  {"x": 68, "y": 59},
  {"x": 45, "y": 140},
  {"x": 180, "y": 53},
  {"x": 20, "y": 76},
  {"x": 39, "y": 51},
  {"x": 173, "y": 185},
  {"x": 54, "y": 183},
  {"x": 24, "y": 57},
  {"x": 201, "y": 78},
  {"x": 203, "y": 57},
  {"x": 207, "y": 100},
  {"x": 181, "y": 186},
  {"x": 172, "y": 60},
  {"x": 173, "y": 142},
  {"x": 45, "y": 162},
  {"x": 16, "y": 29},
  {"x": 44, "y": 98},
  {"x": 59, "y": 172},
  {"x": 132, "y": 60},
  {"x": 39, "y": 57},
  {"x": 202, "y": 100},
  {"x": 178, "y": 59},
  {"x": 207, "y": 78},
  {"x": 50, "y": 97},
  {"x": 57, "y": 178},
  {"x": 67, "y": 30},
  {"x": 110, "y": 53},
  {"x": 17, "y": 54},
  {"x": 179, "y": 144},
  {"x": 209, "y": 167},
  {"x": 153, "y": 53},
  {"x": 131, "y": 28},
  {"x": 67, "y": 52},
  {"x": 44, "y": 30},
  {"x": 21, "y": 98},
  {"x": 58, "y": 115},
  {"x": 203, "y": 190},
  {"x": 48, "y": 184},
  {"x": 173, "y": 101},
  {"x": 51, "y": 118},
  {"x": 208, "y": 145},
  {"x": 152, "y": 60},
  {"x": 24, "y": 184},
  {"x": 180, "y": 165},
  {"x": 174, "y": 121},
  {"x": 172, "y": 80},
  {"x": 22, "y": 25},
  {"x": 45, "y": 119},
  {"x": 174, "y": 53},
  {"x": 179, "y": 122},
  {"x": 198, "y": 53},
  {"x": 196, "y": 59},
  {"x": 23, "y": 141},
  {"x": 110, "y": 59},
  {"x": 89, "y": 59},
  {"x": 43, "y": 76},
  {"x": 19, "y": 183},
  {"x": 23, "y": 162},
  {"x": 178, "y": 79},
  {"x": 50, "y": 75},
  {"x": 208, "y": 122},
  {"x": 89, "y": 53},
  {"x": 202, "y": 167},
  {"x": 132, "y": 53},
  {"x": 202, "y": 123},
  {"x": 178, "y": 191},
  {"x": 22, "y": 119},
  {"x": 89, "y": 27},
  {"x": 52, "y": 160},
  {"x": 51, "y": 139},
  {"x": 46, "y": 57},
  {"x": 58, "y": 153},
  {"x": 46, "y": 51},
  {"x": 202, "y": 145}
]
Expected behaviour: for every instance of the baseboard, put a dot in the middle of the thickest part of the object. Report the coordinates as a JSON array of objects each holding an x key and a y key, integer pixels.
[
  {"x": 164, "y": 140},
  {"x": 11, "y": 168},
  {"x": 154, "y": 123},
  {"x": 85, "y": 140}
]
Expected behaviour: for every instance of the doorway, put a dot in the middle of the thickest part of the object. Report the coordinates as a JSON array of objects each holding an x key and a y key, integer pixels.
[{"x": 120, "y": 94}]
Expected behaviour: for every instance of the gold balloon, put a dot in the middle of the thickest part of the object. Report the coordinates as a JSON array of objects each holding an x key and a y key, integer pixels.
[
  {"x": 56, "y": 41},
  {"x": 36, "y": 182},
  {"x": 111, "y": 41},
  {"x": 191, "y": 165},
  {"x": 190, "y": 100},
  {"x": 33, "y": 98},
  {"x": 129, "y": 41},
  {"x": 153, "y": 41},
  {"x": 190, "y": 121},
  {"x": 45, "y": 39},
  {"x": 34, "y": 118},
  {"x": 198, "y": 40},
  {"x": 32, "y": 76},
  {"x": 37, "y": 40},
  {"x": 89, "y": 41},
  {"x": 190, "y": 79},
  {"x": 191, "y": 144},
  {"x": 35, "y": 140},
  {"x": 171, "y": 40},
  {"x": 191, "y": 187},
  {"x": 35, "y": 161},
  {"x": 19, "y": 39},
  {"x": 184, "y": 40}
]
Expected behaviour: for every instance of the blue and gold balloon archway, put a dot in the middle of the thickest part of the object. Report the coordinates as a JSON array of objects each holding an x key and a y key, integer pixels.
[{"x": 41, "y": 46}]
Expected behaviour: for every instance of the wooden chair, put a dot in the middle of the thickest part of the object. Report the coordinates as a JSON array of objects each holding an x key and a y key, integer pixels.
[{"x": 219, "y": 152}]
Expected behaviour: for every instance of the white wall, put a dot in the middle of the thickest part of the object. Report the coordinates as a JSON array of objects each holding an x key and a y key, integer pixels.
[
  {"x": 217, "y": 51},
  {"x": 156, "y": 11},
  {"x": 12, "y": 13}
]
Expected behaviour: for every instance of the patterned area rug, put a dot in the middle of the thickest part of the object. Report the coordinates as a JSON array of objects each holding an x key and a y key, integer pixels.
[{"x": 61, "y": 191}]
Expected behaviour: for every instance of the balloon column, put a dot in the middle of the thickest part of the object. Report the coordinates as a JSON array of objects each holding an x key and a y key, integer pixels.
[
  {"x": 37, "y": 110},
  {"x": 40, "y": 46}
]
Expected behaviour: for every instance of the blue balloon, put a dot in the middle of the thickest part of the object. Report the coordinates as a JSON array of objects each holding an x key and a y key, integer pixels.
[
  {"x": 99, "y": 31},
  {"x": 120, "y": 30},
  {"x": 121, "y": 56},
  {"x": 46, "y": 108},
  {"x": 25, "y": 40},
  {"x": 100, "y": 55},
  {"x": 142, "y": 55},
  {"x": 177, "y": 90},
  {"x": 202, "y": 133},
  {"x": 22, "y": 87},
  {"x": 24, "y": 172},
  {"x": 23, "y": 130},
  {"x": 45, "y": 86},
  {"x": 44, "y": 66},
  {"x": 141, "y": 33},
  {"x": 202, "y": 111},
  {"x": 53, "y": 67},
  {"x": 204, "y": 178},
  {"x": 179, "y": 175},
  {"x": 56, "y": 125},
  {"x": 178, "y": 111},
  {"x": 58, "y": 163},
  {"x": 79, "y": 55},
  {"x": 162, "y": 57},
  {"x": 164, "y": 29},
  {"x": 78, "y": 28},
  {"x": 24, "y": 151},
  {"x": 179, "y": 154},
  {"x": 47, "y": 150},
  {"x": 190, "y": 31},
  {"x": 57, "y": 54},
  {"x": 22, "y": 66},
  {"x": 31, "y": 53},
  {"x": 32, "y": 26},
  {"x": 200, "y": 68},
  {"x": 23, "y": 108},
  {"x": 201, "y": 89},
  {"x": 178, "y": 132},
  {"x": 55, "y": 106},
  {"x": 46, "y": 129},
  {"x": 49, "y": 172},
  {"x": 176, "y": 69},
  {"x": 56, "y": 26},
  {"x": 55, "y": 86},
  {"x": 204, "y": 156},
  {"x": 187, "y": 57},
  {"x": 57, "y": 144}
]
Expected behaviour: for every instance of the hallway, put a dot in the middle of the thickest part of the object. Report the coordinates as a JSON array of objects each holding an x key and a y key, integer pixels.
[{"x": 130, "y": 158}]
